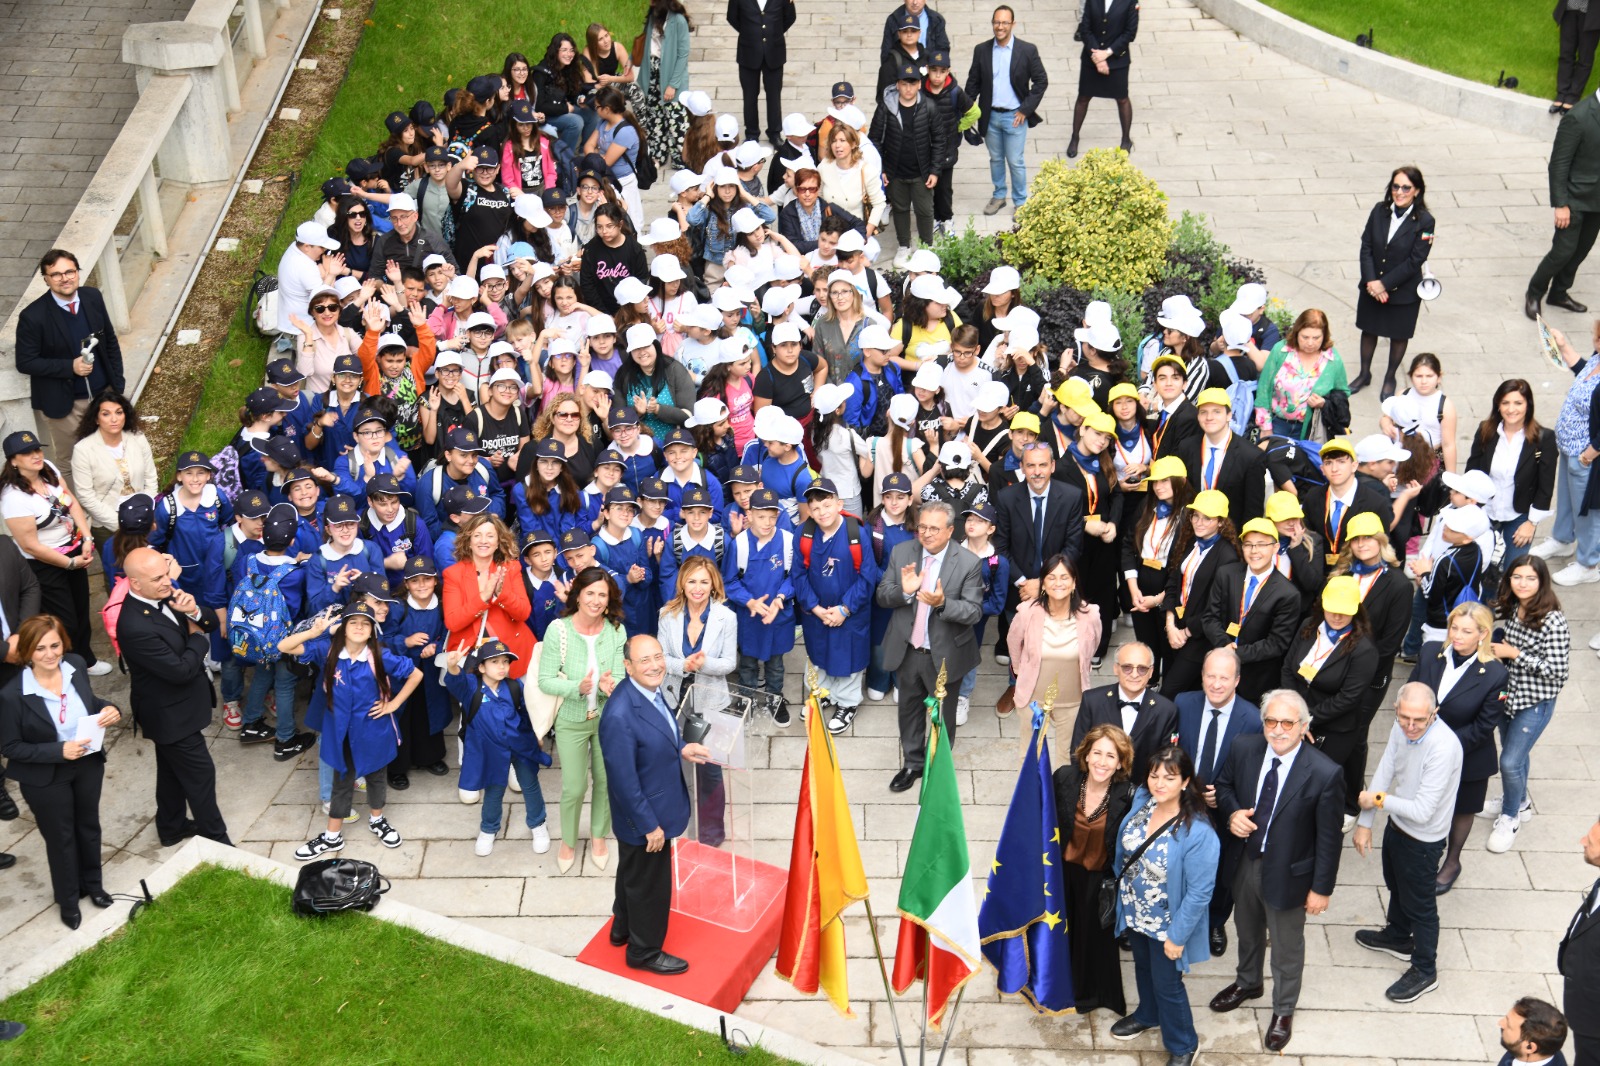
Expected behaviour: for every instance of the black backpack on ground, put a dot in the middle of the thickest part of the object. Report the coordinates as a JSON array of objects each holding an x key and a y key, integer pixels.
[{"x": 329, "y": 886}]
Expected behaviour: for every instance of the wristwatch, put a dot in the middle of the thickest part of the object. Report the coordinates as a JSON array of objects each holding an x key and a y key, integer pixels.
[{"x": 1377, "y": 801}]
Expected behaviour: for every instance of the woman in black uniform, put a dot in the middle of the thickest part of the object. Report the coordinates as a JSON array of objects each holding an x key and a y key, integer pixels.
[
  {"x": 1147, "y": 549},
  {"x": 1207, "y": 541},
  {"x": 1395, "y": 244},
  {"x": 1106, "y": 29},
  {"x": 1092, "y": 473},
  {"x": 1332, "y": 664}
]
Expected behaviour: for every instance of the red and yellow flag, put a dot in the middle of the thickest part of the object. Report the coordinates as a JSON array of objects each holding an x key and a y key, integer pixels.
[{"x": 825, "y": 874}]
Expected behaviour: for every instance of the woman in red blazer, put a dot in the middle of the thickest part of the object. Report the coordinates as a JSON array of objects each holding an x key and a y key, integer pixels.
[{"x": 486, "y": 585}]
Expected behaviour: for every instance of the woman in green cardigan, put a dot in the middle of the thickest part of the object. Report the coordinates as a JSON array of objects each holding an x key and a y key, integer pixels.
[
  {"x": 1299, "y": 374},
  {"x": 664, "y": 78},
  {"x": 582, "y": 663}
]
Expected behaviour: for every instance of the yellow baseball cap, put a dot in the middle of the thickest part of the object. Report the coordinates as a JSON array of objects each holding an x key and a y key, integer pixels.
[
  {"x": 1026, "y": 420},
  {"x": 1217, "y": 396},
  {"x": 1342, "y": 595},
  {"x": 1338, "y": 444},
  {"x": 1120, "y": 390},
  {"x": 1102, "y": 422},
  {"x": 1282, "y": 506},
  {"x": 1073, "y": 391},
  {"x": 1259, "y": 525},
  {"x": 1165, "y": 467},
  {"x": 1365, "y": 524},
  {"x": 1169, "y": 359},
  {"x": 1085, "y": 406},
  {"x": 1211, "y": 503}
]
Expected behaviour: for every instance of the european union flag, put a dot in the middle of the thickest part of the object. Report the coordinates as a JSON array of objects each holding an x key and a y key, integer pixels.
[{"x": 1022, "y": 921}]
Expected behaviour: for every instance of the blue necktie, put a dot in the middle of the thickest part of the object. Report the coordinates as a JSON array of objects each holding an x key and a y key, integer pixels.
[
  {"x": 1338, "y": 515},
  {"x": 1162, "y": 421},
  {"x": 1038, "y": 533},
  {"x": 1211, "y": 469},
  {"x": 672, "y": 723},
  {"x": 1249, "y": 596},
  {"x": 1263, "y": 814}
]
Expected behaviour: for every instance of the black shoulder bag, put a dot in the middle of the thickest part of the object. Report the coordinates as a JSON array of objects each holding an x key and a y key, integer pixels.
[{"x": 1110, "y": 886}]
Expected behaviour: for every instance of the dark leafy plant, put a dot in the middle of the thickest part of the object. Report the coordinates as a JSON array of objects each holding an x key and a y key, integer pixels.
[{"x": 964, "y": 256}]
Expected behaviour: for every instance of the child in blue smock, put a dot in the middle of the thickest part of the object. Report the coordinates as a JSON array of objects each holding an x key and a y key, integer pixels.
[
  {"x": 784, "y": 469},
  {"x": 373, "y": 454},
  {"x": 548, "y": 498},
  {"x": 621, "y": 549},
  {"x": 546, "y": 590},
  {"x": 416, "y": 630},
  {"x": 361, "y": 736},
  {"x": 190, "y": 517},
  {"x": 342, "y": 557},
  {"x": 756, "y": 571},
  {"x": 332, "y": 430},
  {"x": 242, "y": 540},
  {"x": 683, "y": 471},
  {"x": 460, "y": 502},
  {"x": 890, "y": 524},
  {"x": 834, "y": 582},
  {"x": 262, "y": 411},
  {"x": 288, "y": 382},
  {"x": 394, "y": 528},
  {"x": 694, "y": 534},
  {"x": 301, "y": 490},
  {"x": 499, "y": 738},
  {"x": 641, "y": 458},
  {"x": 994, "y": 571},
  {"x": 275, "y": 557}
]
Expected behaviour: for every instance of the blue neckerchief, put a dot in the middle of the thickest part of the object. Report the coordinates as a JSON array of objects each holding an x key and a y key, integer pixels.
[
  {"x": 1088, "y": 462},
  {"x": 1335, "y": 635},
  {"x": 1129, "y": 437},
  {"x": 1163, "y": 509},
  {"x": 1360, "y": 569},
  {"x": 1205, "y": 543}
]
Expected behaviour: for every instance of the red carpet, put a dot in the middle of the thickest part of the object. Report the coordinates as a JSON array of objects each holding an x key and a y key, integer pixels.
[{"x": 717, "y": 890}]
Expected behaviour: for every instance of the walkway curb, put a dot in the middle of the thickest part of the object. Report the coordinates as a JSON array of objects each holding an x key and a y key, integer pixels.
[{"x": 1500, "y": 109}]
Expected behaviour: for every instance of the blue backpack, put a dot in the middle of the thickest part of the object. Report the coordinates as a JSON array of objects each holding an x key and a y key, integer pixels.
[
  {"x": 1242, "y": 397},
  {"x": 258, "y": 614}
]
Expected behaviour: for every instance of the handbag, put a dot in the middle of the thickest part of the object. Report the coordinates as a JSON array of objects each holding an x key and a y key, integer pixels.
[
  {"x": 542, "y": 706},
  {"x": 637, "y": 51},
  {"x": 1108, "y": 887}
]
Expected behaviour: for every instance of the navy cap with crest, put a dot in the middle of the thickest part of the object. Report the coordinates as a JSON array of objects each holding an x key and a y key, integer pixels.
[
  {"x": 908, "y": 72},
  {"x": 522, "y": 111},
  {"x": 21, "y": 442},
  {"x": 843, "y": 88},
  {"x": 906, "y": 21},
  {"x": 436, "y": 153},
  {"x": 694, "y": 496},
  {"x": 281, "y": 450},
  {"x": 484, "y": 86},
  {"x": 621, "y": 494},
  {"x": 284, "y": 372},
  {"x": 347, "y": 364},
  {"x": 194, "y": 461},
  {"x": 360, "y": 169},
  {"x": 359, "y": 609},
  {"x": 266, "y": 400},
  {"x": 653, "y": 488},
  {"x": 492, "y": 649},
  {"x": 368, "y": 414},
  {"x": 252, "y": 504},
  {"x": 334, "y": 188},
  {"x": 744, "y": 474},
  {"x": 395, "y": 121},
  {"x": 462, "y": 439},
  {"x": 821, "y": 487},
  {"x": 374, "y": 585},
  {"x": 554, "y": 200},
  {"x": 550, "y": 448},
  {"x": 422, "y": 113},
  {"x": 420, "y": 566},
  {"x": 280, "y": 527},
  {"x": 136, "y": 513},
  {"x": 536, "y": 538},
  {"x": 463, "y": 499},
  {"x": 678, "y": 435},
  {"x": 386, "y": 485},
  {"x": 622, "y": 415},
  {"x": 939, "y": 58},
  {"x": 896, "y": 483},
  {"x": 611, "y": 455},
  {"x": 299, "y": 473},
  {"x": 574, "y": 538},
  {"x": 341, "y": 508},
  {"x": 984, "y": 511},
  {"x": 764, "y": 500}
]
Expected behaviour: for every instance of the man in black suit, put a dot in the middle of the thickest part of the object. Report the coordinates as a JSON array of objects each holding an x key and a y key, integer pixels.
[
  {"x": 1578, "y": 959},
  {"x": 53, "y": 335},
  {"x": 165, "y": 637},
  {"x": 1221, "y": 459},
  {"x": 1533, "y": 1031},
  {"x": 1149, "y": 719},
  {"x": 934, "y": 36},
  {"x": 1285, "y": 800},
  {"x": 1007, "y": 79},
  {"x": 1580, "y": 34},
  {"x": 1575, "y": 198},
  {"x": 761, "y": 25},
  {"x": 1038, "y": 519},
  {"x": 19, "y": 601},
  {"x": 1254, "y": 610},
  {"x": 1329, "y": 509}
]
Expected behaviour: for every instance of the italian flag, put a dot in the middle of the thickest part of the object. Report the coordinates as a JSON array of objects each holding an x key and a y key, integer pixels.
[{"x": 938, "y": 912}]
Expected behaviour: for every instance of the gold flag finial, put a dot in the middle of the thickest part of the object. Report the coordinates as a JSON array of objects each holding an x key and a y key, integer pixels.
[
  {"x": 1049, "y": 700},
  {"x": 939, "y": 685}
]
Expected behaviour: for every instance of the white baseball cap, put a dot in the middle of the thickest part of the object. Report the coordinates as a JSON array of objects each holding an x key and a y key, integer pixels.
[
  {"x": 850, "y": 115},
  {"x": 731, "y": 350},
  {"x": 447, "y": 358},
  {"x": 480, "y": 319},
  {"x": 1023, "y": 338},
  {"x": 434, "y": 260},
  {"x": 786, "y": 430},
  {"x": 928, "y": 287},
  {"x": 797, "y": 125},
  {"x": 850, "y": 242},
  {"x": 786, "y": 268},
  {"x": 1473, "y": 484},
  {"x": 347, "y": 285},
  {"x": 462, "y": 287},
  {"x": 746, "y": 221},
  {"x": 830, "y": 396},
  {"x": 1251, "y": 296},
  {"x": 505, "y": 373},
  {"x": 598, "y": 379},
  {"x": 499, "y": 348},
  {"x": 683, "y": 180},
  {"x": 561, "y": 346},
  {"x": 923, "y": 261},
  {"x": 1003, "y": 279},
  {"x": 317, "y": 234},
  {"x": 490, "y": 270},
  {"x": 707, "y": 411},
  {"x": 785, "y": 333},
  {"x": 1236, "y": 329},
  {"x": 803, "y": 161},
  {"x": 391, "y": 340},
  {"x": 665, "y": 267},
  {"x": 955, "y": 453},
  {"x": 631, "y": 291},
  {"x": 696, "y": 103},
  {"x": 992, "y": 395},
  {"x": 531, "y": 210},
  {"x": 1097, "y": 311},
  {"x": 726, "y": 299},
  {"x": 599, "y": 325},
  {"x": 727, "y": 128},
  {"x": 725, "y": 175},
  {"x": 661, "y": 231},
  {"x": 749, "y": 154},
  {"x": 1101, "y": 336},
  {"x": 929, "y": 376},
  {"x": 640, "y": 335},
  {"x": 779, "y": 298},
  {"x": 541, "y": 271},
  {"x": 401, "y": 201},
  {"x": 903, "y": 409},
  {"x": 701, "y": 316},
  {"x": 1018, "y": 318},
  {"x": 1376, "y": 448},
  {"x": 875, "y": 336}
]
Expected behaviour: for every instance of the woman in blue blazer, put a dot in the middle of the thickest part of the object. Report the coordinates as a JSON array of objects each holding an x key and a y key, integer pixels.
[{"x": 1164, "y": 900}]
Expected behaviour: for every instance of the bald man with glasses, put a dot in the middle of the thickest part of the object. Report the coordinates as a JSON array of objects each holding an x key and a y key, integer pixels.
[{"x": 1149, "y": 719}]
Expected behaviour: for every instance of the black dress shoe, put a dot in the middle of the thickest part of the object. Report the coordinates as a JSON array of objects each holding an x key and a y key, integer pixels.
[
  {"x": 438, "y": 769},
  {"x": 7, "y": 861},
  {"x": 70, "y": 916},
  {"x": 8, "y": 806},
  {"x": 1387, "y": 390},
  {"x": 189, "y": 830},
  {"x": 662, "y": 963},
  {"x": 1567, "y": 302},
  {"x": 1072, "y": 147},
  {"x": 99, "y": 897},
  {"x": 1279, "y": 1032},
  {"x": 904, "y": 779},
  {"x": 1442, "y": 887},
  {"x": 1233, "y": 997},
  {"x": 1182, "y": 1060},
  {"x": 1359, "y": 382},
  {"x": 1219, "y": 941},
  {"x": 1555, "y": 107},
  {"x": 615, "y": 941},
  {"x": 1128, "y": 1028},
  {"x": 1530, "y": 307},
  {"x": 399, "y": 782}
]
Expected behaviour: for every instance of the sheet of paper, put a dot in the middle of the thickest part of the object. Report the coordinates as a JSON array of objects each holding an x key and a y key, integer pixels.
[{"x": 90, "y": 729}]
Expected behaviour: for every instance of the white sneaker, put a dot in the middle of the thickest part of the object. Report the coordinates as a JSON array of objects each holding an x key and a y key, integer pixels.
[
  {"x": 100, "y": 669},
  {"x": 327, "y": 808},
  {"x": 1503, "y": 835},
  {"x": 541, "y": 840},
  {"x": 469, "y": 797},
  {"x": 902, "y": 259},
  {"x": 1573, "y": 574},
  {"x": 875, "y": 694},
  {"x": 1551, "y": 548},
  {"x": 484, "y": 845},
  {"x": 516, "y": 782},
  {"x": 361, "y": 784},
  {"x": 231, "y": 715},
  {"x": 1491, "y": 807},
  {"x": 1594, "y": 641},
  {"x": 1002, "y": 660},
  {"x": 894, "y": 695},
  {"x": 963, "y": 704},
  {"x": 1349, "y": 823}
]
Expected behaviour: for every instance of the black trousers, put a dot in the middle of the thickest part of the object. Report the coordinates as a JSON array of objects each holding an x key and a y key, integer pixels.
[
  {"x": 944, "y": 208},
  {"x": 752, "y": 80},
  {"x": 644, "y": 899},
  {"x": 185, "y": 775},
  {"x": 1228, "y": 859},
  {"x": 1349, "y": 750},
  {"x": 917, "y": 676},
  {"x": 418, "y": 745},
  {"x": 1585, "y": 1050},
  {"x": 68, "y": 816},
  {"x": 65, "y": 594},
  {"x": 1576, "y": 58},
  {"x": 1559, "y": 268}
]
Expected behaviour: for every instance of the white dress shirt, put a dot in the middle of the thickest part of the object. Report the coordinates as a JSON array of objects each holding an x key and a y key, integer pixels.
[{"x": 1285, "y": 764}]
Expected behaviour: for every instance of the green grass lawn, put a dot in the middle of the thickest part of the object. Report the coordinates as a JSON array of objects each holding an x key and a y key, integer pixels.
[
  {"x": 1473, "y": 39},
  {"x": 220, "y": 971},
  {"x": 408, "y": 52}
]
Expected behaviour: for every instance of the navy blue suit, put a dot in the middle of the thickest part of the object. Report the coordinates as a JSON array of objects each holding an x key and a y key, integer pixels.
[
  {"x": 644, "y": 778},
  {"x": 1243, "y": 720}
]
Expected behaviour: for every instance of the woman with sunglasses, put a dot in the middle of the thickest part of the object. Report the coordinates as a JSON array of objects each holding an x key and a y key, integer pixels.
[
  {"x": 352, "y": 228},
  {"x": 323, "y": 340},
  {"x": 1394, "y": 247}
]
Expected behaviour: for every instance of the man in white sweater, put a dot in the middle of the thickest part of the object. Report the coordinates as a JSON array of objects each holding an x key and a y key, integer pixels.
[{"x": 1415, "y": 785}]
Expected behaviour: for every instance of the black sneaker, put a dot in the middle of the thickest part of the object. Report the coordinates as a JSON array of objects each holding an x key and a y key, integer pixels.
[
  {"x": 1382, "y": 940},
  {"x": 1128, "y": 1028},
  {"x": 399, "y": 781},
  {"x": 257, "y": 732},
  {"x": 780, "y": 714},
  {"x": 317, "y": 847},
  {"x": 438, "y": 769},
  {"x": 842, "y": 717},
  {"x": 388, "y": 834},
  {"x": 1406, "y": 657},
  {"x": 284, "y": 750},
  {"x": 1412, "y": 986}
]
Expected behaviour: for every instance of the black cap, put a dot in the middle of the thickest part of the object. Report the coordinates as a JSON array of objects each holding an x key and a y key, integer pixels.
[
  {"x": 136, "y": 513},
  {"x": 385, "y": 485},
  {"x": 843, "y": 88},
  {"x": 252, "y": 504},
  {"x": 22, "y": 441},
  {"x": 895, "y": 483},
  {"x": 422, "y": 113},
  {"x": 334, "y": 188},
  {"x": 374, "y": 585},
  {"x": 462, "y": 439},
  {"x": 284, "y": 372},
  {"x": 359, "y": 609},
  {"x": 420, "y": 566},
  {"x": 574, "y": 538},
  {"x": 611, "y": 455},
  {"x": 463, "y": 499},
  {"x": 908, "y": 72},
  {"x": 450, "y": 98},
  {"x": 484, "y": 86},
  {"x": 368, "y": 414},
  {"x": 300, "y": 473},
  {"x": 939, "y": 58},
  {"x": 744, "y": 474},
  {"x": 341, "y": 508},
  {"x": 266, "y": 400},
  {"x": 536, "y": 538},
  {"x": 694, "y": 496},
  {"x": 436, "y": 154},
  {"x": 554, "y": 200},
  {"x": 764, "y": 500},
  {"x": 821, "y": 487},
  {"x": 195, "y": 461},
  {"x": 550, "y": 448},
  {"x": 278, "y": 531},
  {"x": 492, "y": 649},
  {"x": 906, "y": 21},
  {"x": 522, "y": 111},
  {"x": 622, "y": 415},
  {"x": 653, "y": 488},
  {"x": 984, "y": 511},
  {"x": 360, "y": 169},
  {"x": 281, "y": 450},
  {"x": 621, "y": 494},
  {"x": 678, "y": 435},
  {"x": 346, "y": 364},
  {"x": 396, "y": 121}
]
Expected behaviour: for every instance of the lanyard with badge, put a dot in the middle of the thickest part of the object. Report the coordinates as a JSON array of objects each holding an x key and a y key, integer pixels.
[
  {"x": 1333, "y": 534},
  {"x": 1190, "y": 567},
  {"x": 1312, "y": 664},
  {"x": 1247, "y": 600},
  {"x": 1157, "y": 542}
]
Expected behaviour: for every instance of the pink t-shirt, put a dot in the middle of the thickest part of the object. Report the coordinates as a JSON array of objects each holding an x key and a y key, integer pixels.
[{"x": 740, "y": 394}]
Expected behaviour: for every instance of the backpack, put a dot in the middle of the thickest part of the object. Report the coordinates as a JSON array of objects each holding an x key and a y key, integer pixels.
[
  {"x": 718, "y": 545},
  {"x": 329, "y": 886},
  {"x": 225, "y": 467},
  {"x": 644, "y": 168},
  {"x": 743, "y": 542},
  {"x": 261, "y": 304},
  {"x": 1242, "y": 401},
  {"x": 258, "y": 614},
  {"x": 852, "y": 529},
  {"x": 408, "y": 526},
  {"x": 112, "y": 611}
]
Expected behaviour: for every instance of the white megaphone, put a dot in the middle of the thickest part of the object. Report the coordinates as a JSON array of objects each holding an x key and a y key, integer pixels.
[{"x": 1428, "y": 288}]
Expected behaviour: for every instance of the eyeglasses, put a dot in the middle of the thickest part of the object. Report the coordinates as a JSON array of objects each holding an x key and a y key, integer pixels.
[
  {"x": 1397, "y": 187},
  {"x": 1279, "y": 725},
  {"x": 566, "y": 414},
  {"x": 323, "y": 309},
  {"x": 806, "y": 188},
  {"x": 1136, "y": 669},
  {"x": 369, "y": 432},
  {"x": 69, "y": 272},
  {"x": 924, "y": 527},
  {"x": 63, "y": 716},
  {"x": 355, "y": 214}
]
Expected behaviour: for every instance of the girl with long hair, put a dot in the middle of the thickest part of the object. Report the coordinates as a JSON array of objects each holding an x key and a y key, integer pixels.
[
  {"x": 352, "y": 228},
  {"x": 730, "y": 377},
  {"x": 549, "y": 499},
  {"x": 561, "y": 94},
  {"x": 1147, "y": 549},
  {"x": 1205, "y": 543},
  {"x": 663, "y": 78},
  {"x": 619, "y": 138},
  {"x": 1510, "y": 438}
]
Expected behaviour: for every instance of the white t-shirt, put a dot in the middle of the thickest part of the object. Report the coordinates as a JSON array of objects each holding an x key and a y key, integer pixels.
[
  {"x": 51, "y": 512},
  {"x": 838, "y": 460},
  {"x": 298, "y": 278},
  {"x": 961, "y": 389}
]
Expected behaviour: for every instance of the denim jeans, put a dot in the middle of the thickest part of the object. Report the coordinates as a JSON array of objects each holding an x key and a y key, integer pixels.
[
  {"x": 1410, "y": 870},
  {"x": 1282, "y": 427},
  {"x": 750, "y": 673},
  {"x": 969, "y": 683},
  {"x": 568, "y": 127},
  {"x": 1572, "y": 479},
  {"x": 1006, "y": 144},
  {"x": 232, "y": 680},
  {"x": 278, "y": 677},
  {"x": 494, "y": 796},
  {"x": 1518, "y": 734},
  {"x": 1162, "y": 999},
  {"x": 1412, "y": 644},
  {"x": 878, "y": 679},
  {"x": 324, "y": 781},
  {"x": 1513, "y": 551}
]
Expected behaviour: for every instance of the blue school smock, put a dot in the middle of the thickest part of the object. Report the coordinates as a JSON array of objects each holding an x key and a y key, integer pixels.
[
  {"x": 639, "y": 601},
  {"x": 325, "y": 564},
  {"x": 353, "y": 482},
  {"x": 722, "y": 459},
  {"x": 193, "y": 531},
  {"x": 295, "y": 422},
  {"x": 675, "y": 494},
  {"x": 314, "y": 654},
  {"x": 893, "y": 537},
  {"x": 546, "y": 605},
  {"x": 405, "y": 620},
  {"x": 789, "y": 480},
  {"x": 497, "y": 733},
  {"x": 392, "y": 538},
  {"x": 994, "y": 574},
  {"x": 735, "y": 509},
  {"x": 436, "y": 480},
  {"x": 444, "y": 551},
  {"x": 252, "y": 468},
  {"x": 636, "y": 469},
  {"x": 373, "y": 741},
  {"x": 669, "y": 564},
  {"x": 108, "y": 560},
  {"x": 832, "y": 581},
  {"x": 235, "y": 543},
  {"x": 554, "y": 521},
  {"x": 339, "y": 437},
  {"x": 767, "y": 572},
  {"x": 308, "y": 536}
]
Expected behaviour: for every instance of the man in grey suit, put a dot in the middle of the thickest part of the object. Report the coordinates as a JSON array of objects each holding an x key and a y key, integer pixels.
[
  {"x": 19, "y": 601},
  {"x": 1575, "y": 197},
  {"x": 937, "y": 596}
]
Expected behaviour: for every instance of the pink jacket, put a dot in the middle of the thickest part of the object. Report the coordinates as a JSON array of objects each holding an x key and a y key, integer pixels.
[
  {"x": 511, "y": 173},
  {"x": 1026, "y": 636}
]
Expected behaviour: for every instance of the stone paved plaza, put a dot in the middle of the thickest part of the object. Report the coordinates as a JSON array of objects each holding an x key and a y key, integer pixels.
[{"x": 1286, "y": 163}]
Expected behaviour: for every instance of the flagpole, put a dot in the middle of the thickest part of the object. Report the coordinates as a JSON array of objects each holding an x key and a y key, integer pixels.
[
  {"x": 950, "y": 1024},
  {"x": 872, "y": 923},
  {"x": 927, "y": 974}
]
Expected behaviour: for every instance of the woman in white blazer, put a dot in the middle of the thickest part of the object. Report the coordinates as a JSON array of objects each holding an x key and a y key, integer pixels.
[{"x": 111, "y": 460}]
